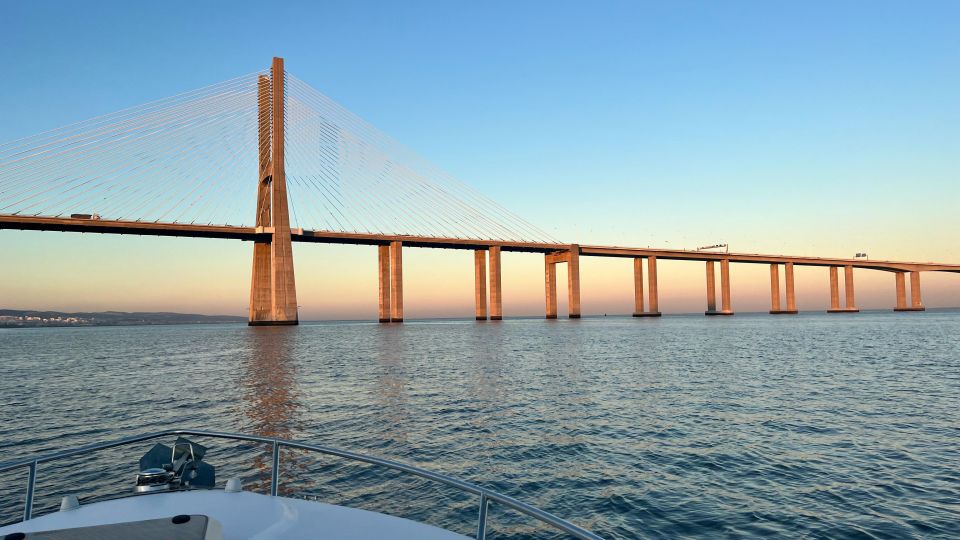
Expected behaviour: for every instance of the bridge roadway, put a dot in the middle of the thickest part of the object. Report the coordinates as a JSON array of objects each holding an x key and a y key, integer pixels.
[{"x": 142, "y": 228}]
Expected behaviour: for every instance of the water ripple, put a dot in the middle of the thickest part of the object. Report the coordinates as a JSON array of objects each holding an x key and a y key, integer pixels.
[{"x": 814, "y": 426}]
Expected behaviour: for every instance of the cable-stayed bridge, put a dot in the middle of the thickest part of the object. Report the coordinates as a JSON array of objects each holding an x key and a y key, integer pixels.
[{"x": 268, "y": 159}]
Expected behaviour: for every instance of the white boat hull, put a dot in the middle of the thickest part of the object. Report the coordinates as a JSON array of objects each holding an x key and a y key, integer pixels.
[{"x": 242, "y": 515}]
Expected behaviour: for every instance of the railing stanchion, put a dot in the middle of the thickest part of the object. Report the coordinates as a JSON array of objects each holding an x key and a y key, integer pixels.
[
  {"x": 482, "y": 517},
  {"x": 275, "y": 470},
  {"x": 31, "y": 482}
]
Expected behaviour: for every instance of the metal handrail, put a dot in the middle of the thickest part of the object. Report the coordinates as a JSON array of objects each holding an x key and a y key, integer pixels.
[{"x": 485, "y": 494}]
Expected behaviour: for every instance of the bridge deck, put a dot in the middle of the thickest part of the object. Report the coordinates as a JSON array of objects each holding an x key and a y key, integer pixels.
[{"x": 37, "y": 223}]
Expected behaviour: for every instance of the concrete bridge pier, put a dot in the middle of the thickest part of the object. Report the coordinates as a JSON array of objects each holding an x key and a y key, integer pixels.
[
  {"x": 273, "y": 291},
  {"x": 916, "y": 303},
  {"x": 496, "y": 298},
  {"x": 901, "y": 292},
  {"x": 480, "y": 281},
  {"x": 396, "y": 282},
  {"x": 850, "y": 305},
  {"x": 774, "y": 288},
  {"x": 834, "y": 291},
  {"x": 550, "y": 283},
  {"x": 711, "y": 290},
  {"x": 390, "y": 280},
  {"x": 724, "y": 289},
  {"x": 383, "y": 275},
  {"x": 572, "y": 258},
  {"x": 573, "y": 281},
  {"x": 775, "y": 307},
  {"x": 654, "y": 299},
  {"x": 637, "y": 287},
  {"x": 791, "y": 294}
]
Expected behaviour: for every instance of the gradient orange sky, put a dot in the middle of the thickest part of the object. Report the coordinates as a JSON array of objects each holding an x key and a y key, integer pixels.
[{"x": 74, "y": 272}]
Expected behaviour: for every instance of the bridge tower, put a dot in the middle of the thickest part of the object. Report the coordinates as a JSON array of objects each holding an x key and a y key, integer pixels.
[{"x": 273, "y": 291}]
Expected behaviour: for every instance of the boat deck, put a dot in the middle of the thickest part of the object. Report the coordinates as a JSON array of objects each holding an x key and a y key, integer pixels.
[{"x": 242, "y": 515}]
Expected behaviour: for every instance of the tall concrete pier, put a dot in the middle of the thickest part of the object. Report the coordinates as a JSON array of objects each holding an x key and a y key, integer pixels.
[
  {"x": 775, "y": 306},
  {"x": 496, "y": 294},
  {"x": 481, "y": 259},
  {"x": 711, "y": 289},
  {"x": 550, "y": 286},
  {"x": 850, "y": 305},
  {"x": 652, "y": 287},
  {"x": 480, "y": 283},
  {"x": 791, "y": 294},
  {"x": 571, "y": 256},
  {"x": 916, "y": 303},
  {"x": 396, "y": 282},
  {"x": 273, "y": 291},
  {"x": 652, "y": 292},
  {"x": 261, "y": 301},
  {"x": 724, "y": 289},
  {"x": 573, "y": 281},
  {"x": 849, "y": 302},
  {"x": 774, "y": 288},
  {"x": 637, "y": 287},
  {"x": 383, "y": 280}
]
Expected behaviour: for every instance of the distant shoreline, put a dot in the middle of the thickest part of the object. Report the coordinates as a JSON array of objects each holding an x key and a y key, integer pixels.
[
  {"x": 29, "y": 318},
  {"x": 26, "y": 318}
]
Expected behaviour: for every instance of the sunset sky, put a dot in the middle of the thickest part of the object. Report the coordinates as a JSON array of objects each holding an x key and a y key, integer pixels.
[{"x": 802, "y": 128}]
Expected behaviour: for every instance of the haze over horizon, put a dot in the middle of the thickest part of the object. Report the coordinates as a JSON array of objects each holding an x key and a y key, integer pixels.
[{"x": 801, "y": 129}]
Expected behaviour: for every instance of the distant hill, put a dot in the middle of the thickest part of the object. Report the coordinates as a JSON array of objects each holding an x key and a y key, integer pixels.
[{"x": 20, "y": 318}]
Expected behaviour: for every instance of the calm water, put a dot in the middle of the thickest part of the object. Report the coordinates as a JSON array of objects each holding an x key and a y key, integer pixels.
[{"x": 809, "y": 426}]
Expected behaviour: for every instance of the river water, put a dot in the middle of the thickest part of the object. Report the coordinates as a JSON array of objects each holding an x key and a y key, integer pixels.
[{"x": 824, "y": 426}]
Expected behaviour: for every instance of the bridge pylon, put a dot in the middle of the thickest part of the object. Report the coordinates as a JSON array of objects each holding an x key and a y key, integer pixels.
[{"x": 273, "y": 291}]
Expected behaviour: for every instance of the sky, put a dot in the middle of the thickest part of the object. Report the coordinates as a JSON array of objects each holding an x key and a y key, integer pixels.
[{"x": 804, "y": 128}]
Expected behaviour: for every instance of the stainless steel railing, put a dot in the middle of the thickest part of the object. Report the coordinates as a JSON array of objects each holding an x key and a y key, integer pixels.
[{"x": 486, "y": 496}]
